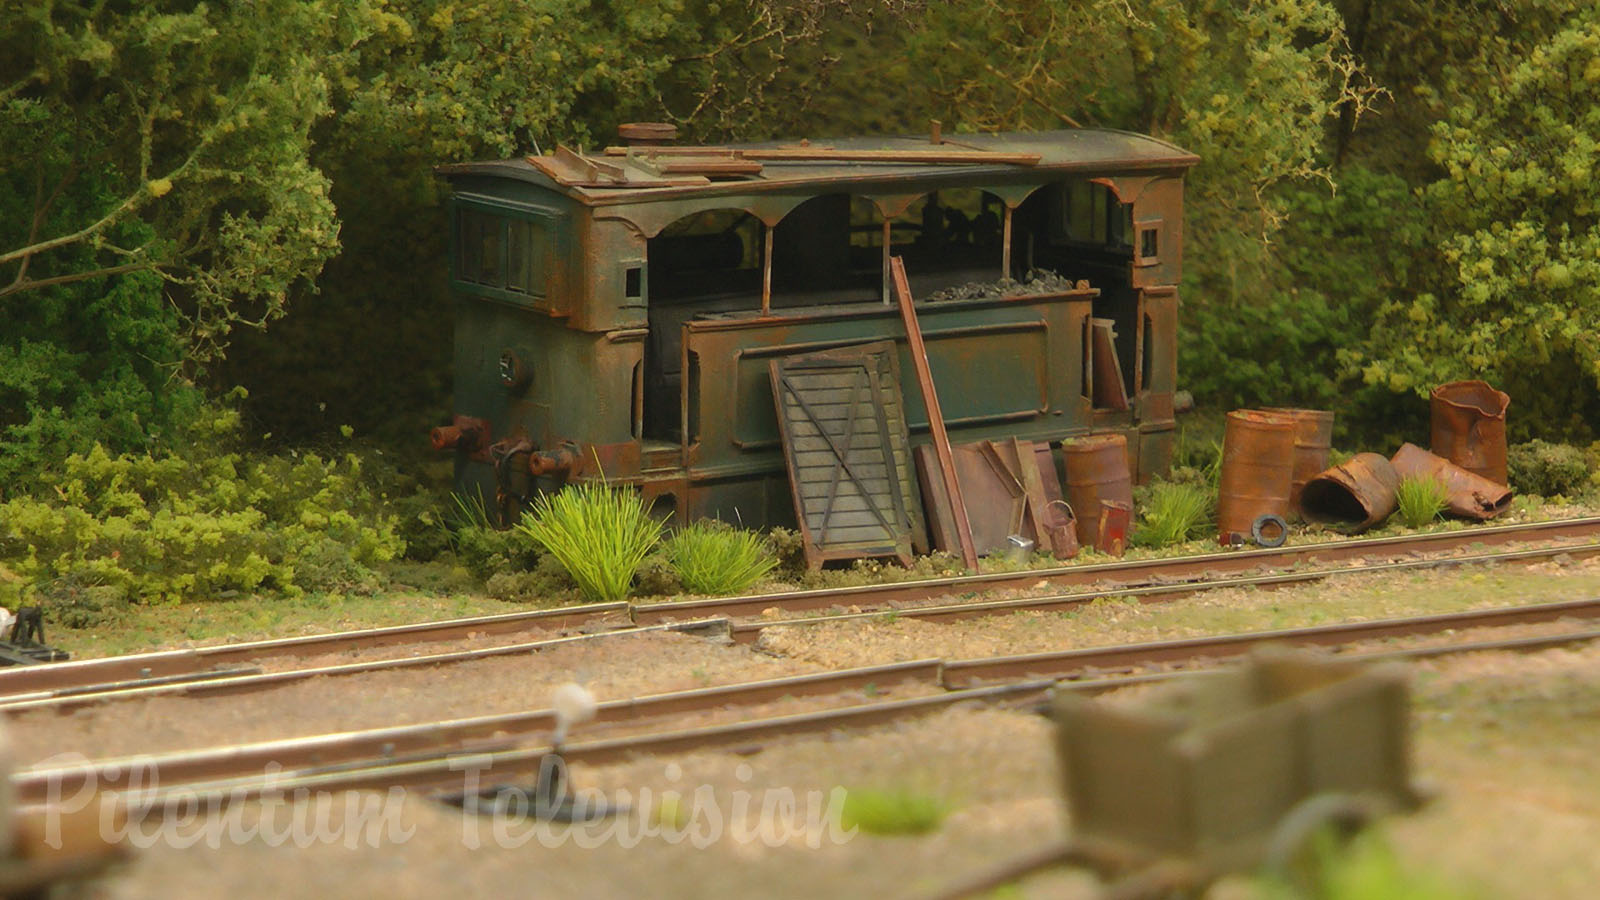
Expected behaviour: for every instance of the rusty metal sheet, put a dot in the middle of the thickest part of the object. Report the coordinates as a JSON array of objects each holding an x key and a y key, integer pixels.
[
  {"x": 1004, "y": 484},
  {"x": 848, "y": 452},
  {"x": 1109, "y": 390},
  {"x": 1470, "y": 495}
]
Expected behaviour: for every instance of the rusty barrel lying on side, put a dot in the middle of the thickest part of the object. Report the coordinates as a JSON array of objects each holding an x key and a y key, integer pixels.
[
  {"x": 1257, "y": 470},
  {"x": 1358, "y": 493},
  {"x": 1469, "y": 427},
  {"x": 1469, "y": 494},
  {"x": 1097, "y": 470},
  {"x": 1313, "y": 434}
]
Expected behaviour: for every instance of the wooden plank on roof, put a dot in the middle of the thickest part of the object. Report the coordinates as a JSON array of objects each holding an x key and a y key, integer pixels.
[{"x": 813, "y": 154}]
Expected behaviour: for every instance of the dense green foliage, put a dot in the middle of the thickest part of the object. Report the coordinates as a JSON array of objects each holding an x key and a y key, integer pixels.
[
  {"x": 713, "y": 558},
  {"x": 110, "y": 529},
  {"x": 599, "y": 533},
  {"x": 1546, "y": 469}
]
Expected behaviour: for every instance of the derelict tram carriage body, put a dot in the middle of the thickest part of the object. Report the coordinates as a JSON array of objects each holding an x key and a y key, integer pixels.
[{"x": 610, "y": 305}]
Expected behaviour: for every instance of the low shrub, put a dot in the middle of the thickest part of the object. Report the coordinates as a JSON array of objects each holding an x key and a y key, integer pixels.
[
  {"x": 486, "y": 551},
  {"x": 892, "y": 811},
  {"x": 1546, "y": 469},
  {"x": 714, "y": 558},
  {"x": 599, "y": 533},
  {"x": 1171, "y": 514},
  {"x": 1420, "y": 500},
  {"x": 164, "y": 527}
]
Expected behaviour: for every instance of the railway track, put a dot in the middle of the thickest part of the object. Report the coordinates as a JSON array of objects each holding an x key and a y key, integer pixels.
[
  {"x": 234, "y": 669},
  {"x": 510, "y": 747}
]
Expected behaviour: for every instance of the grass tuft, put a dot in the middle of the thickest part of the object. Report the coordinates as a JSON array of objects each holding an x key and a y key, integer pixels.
[
  {"x": 892, "y": 812},
  {"x": 597, "y": 532},
  {"x": 1171, "y": 514},
  {"x": 1420, "y": 500},
  {"x": 712, "y": 558}
]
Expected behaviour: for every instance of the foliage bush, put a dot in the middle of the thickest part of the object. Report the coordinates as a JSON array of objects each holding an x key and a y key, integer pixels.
[
  {"x": 893, "y": 811},
  {"x": 1546, "y": 469},
  {"x": 599, "y": 533},
  {"x": 1420, "y": 500},
  {"x": 1172, "y": 513},
  {"x": 163, "y": 527},
  {"x": 715, "y": 558},
  {"x": 485, "y": 550}
]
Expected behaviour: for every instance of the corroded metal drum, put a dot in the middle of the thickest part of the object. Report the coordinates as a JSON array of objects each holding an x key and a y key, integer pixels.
[
  {"x": 1313, "y": 434},
  {"x": 1097, "y": 469},
  {"x": 1469, "y": 427},
  {"x": 1257, "y": 470},
  {"x": 1357, "y": 494}
]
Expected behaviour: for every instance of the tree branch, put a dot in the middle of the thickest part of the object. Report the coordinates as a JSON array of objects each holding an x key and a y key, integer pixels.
[{"x": 32, "y": 284}]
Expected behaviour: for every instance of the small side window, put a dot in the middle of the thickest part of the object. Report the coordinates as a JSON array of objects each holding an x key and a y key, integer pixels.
[
  {"x": 1149, "y": 244},
  {"x": 633, "y": 283}
]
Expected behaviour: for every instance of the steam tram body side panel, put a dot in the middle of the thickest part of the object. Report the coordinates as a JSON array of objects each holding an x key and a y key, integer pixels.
[{"x": 615, "y": 319}]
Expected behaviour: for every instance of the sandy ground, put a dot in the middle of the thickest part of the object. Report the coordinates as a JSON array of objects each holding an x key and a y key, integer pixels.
[{"x": 1507, "y": 739}]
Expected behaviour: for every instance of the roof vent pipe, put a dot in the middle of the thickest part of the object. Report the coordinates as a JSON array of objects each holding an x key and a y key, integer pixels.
[{"x": 647, "y": 134}]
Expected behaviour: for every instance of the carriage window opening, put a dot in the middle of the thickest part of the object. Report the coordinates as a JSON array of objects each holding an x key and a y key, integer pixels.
[
  {"x": 519, "y": 261},
  {"x": 1149, "y": 246},
  {"x": 633, "y": 283},
  {"x": 489, "y": 250},
  {"x": 1092, "y": 214},
  {"x": 501, "y": 252}
]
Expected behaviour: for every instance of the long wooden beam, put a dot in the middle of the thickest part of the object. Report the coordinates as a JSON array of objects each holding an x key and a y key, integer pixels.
[
  {"x": 806, "y": 154},
  {"x": 930, "y": 399}
]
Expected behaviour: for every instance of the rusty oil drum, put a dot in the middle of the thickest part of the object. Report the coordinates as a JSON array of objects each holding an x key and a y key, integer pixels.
[
  {"x": 1469, "y": 427},
  {"x": 1257, "y": 470},
  {"x": 1313, "y": 434},
  {"x": 1097, "y": 469}
]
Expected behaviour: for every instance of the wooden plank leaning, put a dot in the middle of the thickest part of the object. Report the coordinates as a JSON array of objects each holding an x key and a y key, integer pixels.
[{"x": 930, "y": 399}]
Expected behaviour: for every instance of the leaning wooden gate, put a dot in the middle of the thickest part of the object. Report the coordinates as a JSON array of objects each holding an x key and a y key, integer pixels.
[{"x": 843, "y": 426}]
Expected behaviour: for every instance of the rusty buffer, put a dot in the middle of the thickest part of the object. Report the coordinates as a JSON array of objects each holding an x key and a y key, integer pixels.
[
  {"x": 1097, "y": 470},
  {"x": 1470, "y": 495},
  {"x": 1469, "y": 427},
  {"x": 1358, "y": 494},
  {"x": 1257, "y": 470},
  {"x": 1313, "y": 433}
]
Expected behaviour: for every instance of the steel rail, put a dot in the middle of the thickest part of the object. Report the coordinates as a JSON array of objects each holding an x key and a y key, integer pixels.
[
  {"x": 335, "y": 761},
  {"x": 82, "y": 673},
  {"x": 228, "y": 682},
  {"x": 1128, "y": 571},
  {"x": 967, "y": 673},
  {"x": 509, "y": 765},
  {"x": 168, "y": 662},
  {"x": 749, "y": 632},
  {"x": 34, "y": 785}
]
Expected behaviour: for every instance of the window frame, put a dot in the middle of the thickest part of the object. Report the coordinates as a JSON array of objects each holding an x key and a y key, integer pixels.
[{"x": 543, "y": 228}]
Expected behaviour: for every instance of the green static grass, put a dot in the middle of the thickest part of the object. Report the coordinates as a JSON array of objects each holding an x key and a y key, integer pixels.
[
  {"x": 597, "y": 532},
  {"x": 715, "y": 559},
  {"x": 1172, "y": 514},
  {"x": 1420, "y": 500},
  {"x": 893, "y": 812}
]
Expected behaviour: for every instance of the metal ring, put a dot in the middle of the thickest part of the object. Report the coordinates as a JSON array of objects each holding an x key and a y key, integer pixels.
[{"x": 1269, "y": 520}]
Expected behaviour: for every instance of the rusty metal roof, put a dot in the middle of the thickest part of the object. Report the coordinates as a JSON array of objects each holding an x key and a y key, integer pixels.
[{"x": 645, "y": 173}]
